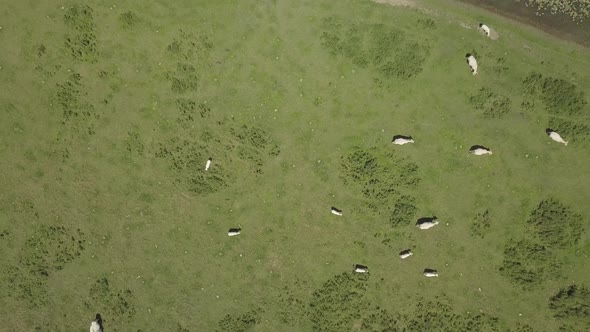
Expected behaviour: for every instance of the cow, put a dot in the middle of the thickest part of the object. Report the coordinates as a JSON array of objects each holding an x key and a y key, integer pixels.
[
  {"x": 426, "y": 223},
  {"x": 401, "y": 140},
  {"x": 336, "y": 211},
  {"x": 208, "y": 164},
  {"x": 234, "y": 231},
  {"x": 429, "y": 273},
  {"x": 485, "y": 29},
  {"x": 472, "y": 63},
  {"x": 555, "y": 136},
  {"x": 405, "y": 254},
  {"x": 479, "y": 150},
  {"x": 360, "y": 268},
  {"x": 96, "y": 324}
]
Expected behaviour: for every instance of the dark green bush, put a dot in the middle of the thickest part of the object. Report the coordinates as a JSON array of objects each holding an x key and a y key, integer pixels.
[
  {"x": 480, "y": 224},
  {"x": 128, "y": 20},
  {"x": 572, "y": 303},
  {"x": 491, "y": 104},
  {"x": 559, "y": 96},
  {"x": 110, "y": 301},
  {"x": 48, "y": 250},
  {"x": 134, "y": 144},
  {"x": 528, "y": 262},
  {"x": 403, "y": 212},
  {"x": 380, "y": 175},
  {"x": 237, "y": 147},
  {"x": 81, "y": 39},
  {"x": 556, "y": 225},
  {"x": 578, "y": 131},
  {"x": 383, "y": 48},
  {"x": 242, "y": 323},
  {"x": 339, "y": 302}
]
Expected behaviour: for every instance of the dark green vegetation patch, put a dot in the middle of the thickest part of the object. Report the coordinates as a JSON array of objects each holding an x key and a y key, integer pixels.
[
  {"x": 236, "y": 150},
  {"x": 240, "y": 323},
  {"x": 81, "y": 38},
  {"x": 380, "y": 175},
  {"x": 531, "y": 260},
  {"x": 45, "y": 252},
  {"x": 560, "y": 97},
  {"x": 481, "y": 224},
  {"x": 577, "y": 131},
  {"x": 572, "y": 306},
  {"x": 339, "y": 302},
  {"x": 79, "y": 116},
  {"x": 490, "y": 104},
  {"x": 556, "y": 225},
  {"x": 110, "y": 301},
  {"x": 386, "y": 50}
]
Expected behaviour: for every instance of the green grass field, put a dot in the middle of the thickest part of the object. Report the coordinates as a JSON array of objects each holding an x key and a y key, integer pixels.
[{"x": 110, "y": 111}]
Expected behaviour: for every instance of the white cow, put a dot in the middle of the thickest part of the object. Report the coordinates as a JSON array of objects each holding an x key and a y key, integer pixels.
[
  {"x": 336, "y": 211},
  {"x": 96, "y": 325},
  {"x": 360, "y": 268},
  {"x": 429, "y": 273},
  {"x": 234, "y": 231},
  {"x": 405, "y": 254},
  {"x": 426, "y": 223},
  {"x": 472, "y": 63},
  {"x": 401, "y": 140},
  {"x": 208, "y": 164},
  {"x": 555, "y": 136},
  {"x": 479, "y": 150},
  {"x": 485, "y": 29}
]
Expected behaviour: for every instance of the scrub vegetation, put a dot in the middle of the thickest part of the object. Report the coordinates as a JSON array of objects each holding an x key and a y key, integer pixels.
[{"x": 110, "y": 113}]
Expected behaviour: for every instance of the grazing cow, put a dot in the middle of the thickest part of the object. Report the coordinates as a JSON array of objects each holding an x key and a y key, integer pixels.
[
  {"x": 426, "y": 223},
  {"x": 401, "y": 140},
  {"x": 208, "y": 164},
  {"x": 555, "y": 136},
  {"x": 472, "y": 63},
  {"x": 336, "y": 211},
  {"x": 479, "y": 150},
  {"x": 360, "y": 268},
  {"x": 234, "y": 231},
  {"x": 429, "y": 273},
  {"x": 96, "y": 325},
  {"x": 485, "y": 29},
  {"x": 405, "y": 254}
]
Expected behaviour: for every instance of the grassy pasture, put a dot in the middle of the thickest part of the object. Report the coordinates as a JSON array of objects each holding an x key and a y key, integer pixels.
[{"x": 109, "y": 113}]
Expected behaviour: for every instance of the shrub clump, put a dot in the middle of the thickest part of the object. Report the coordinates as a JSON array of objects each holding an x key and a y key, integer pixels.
[
  {"x": 555, "y": 224},
  {"x": 559, "y": 96},
  {"x": 491, "y": 104},
  {"x": 78, "y": 115},
  {"x": 532, "y": 259},
  {"x": 81, "y": 39},
  {"x": 528, "y": 262},
  {"x": 113, "y": 302},
  {"x": 183, "y": 79},
  {"x": 572, "y": 305},
  {"x": 403, "y": 212},
  {"x": 48, "y": 250},
  {"x": 239, "y": 323},
  {"x": 232, "y": 147},
  {"x": 339, "y": 302},
  {"x": 480, "y": 224},
  {"x": 380, "y": 174},
  {"x": 128, "y": 20},
  {"x": 382, "y": 48},
  {"x": 572, "y": 130}
]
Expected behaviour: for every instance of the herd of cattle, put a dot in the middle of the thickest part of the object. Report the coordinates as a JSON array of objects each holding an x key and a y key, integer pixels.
[
  {"x": 422, "y": 223},
  {"x": 429, "y": 222}
]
